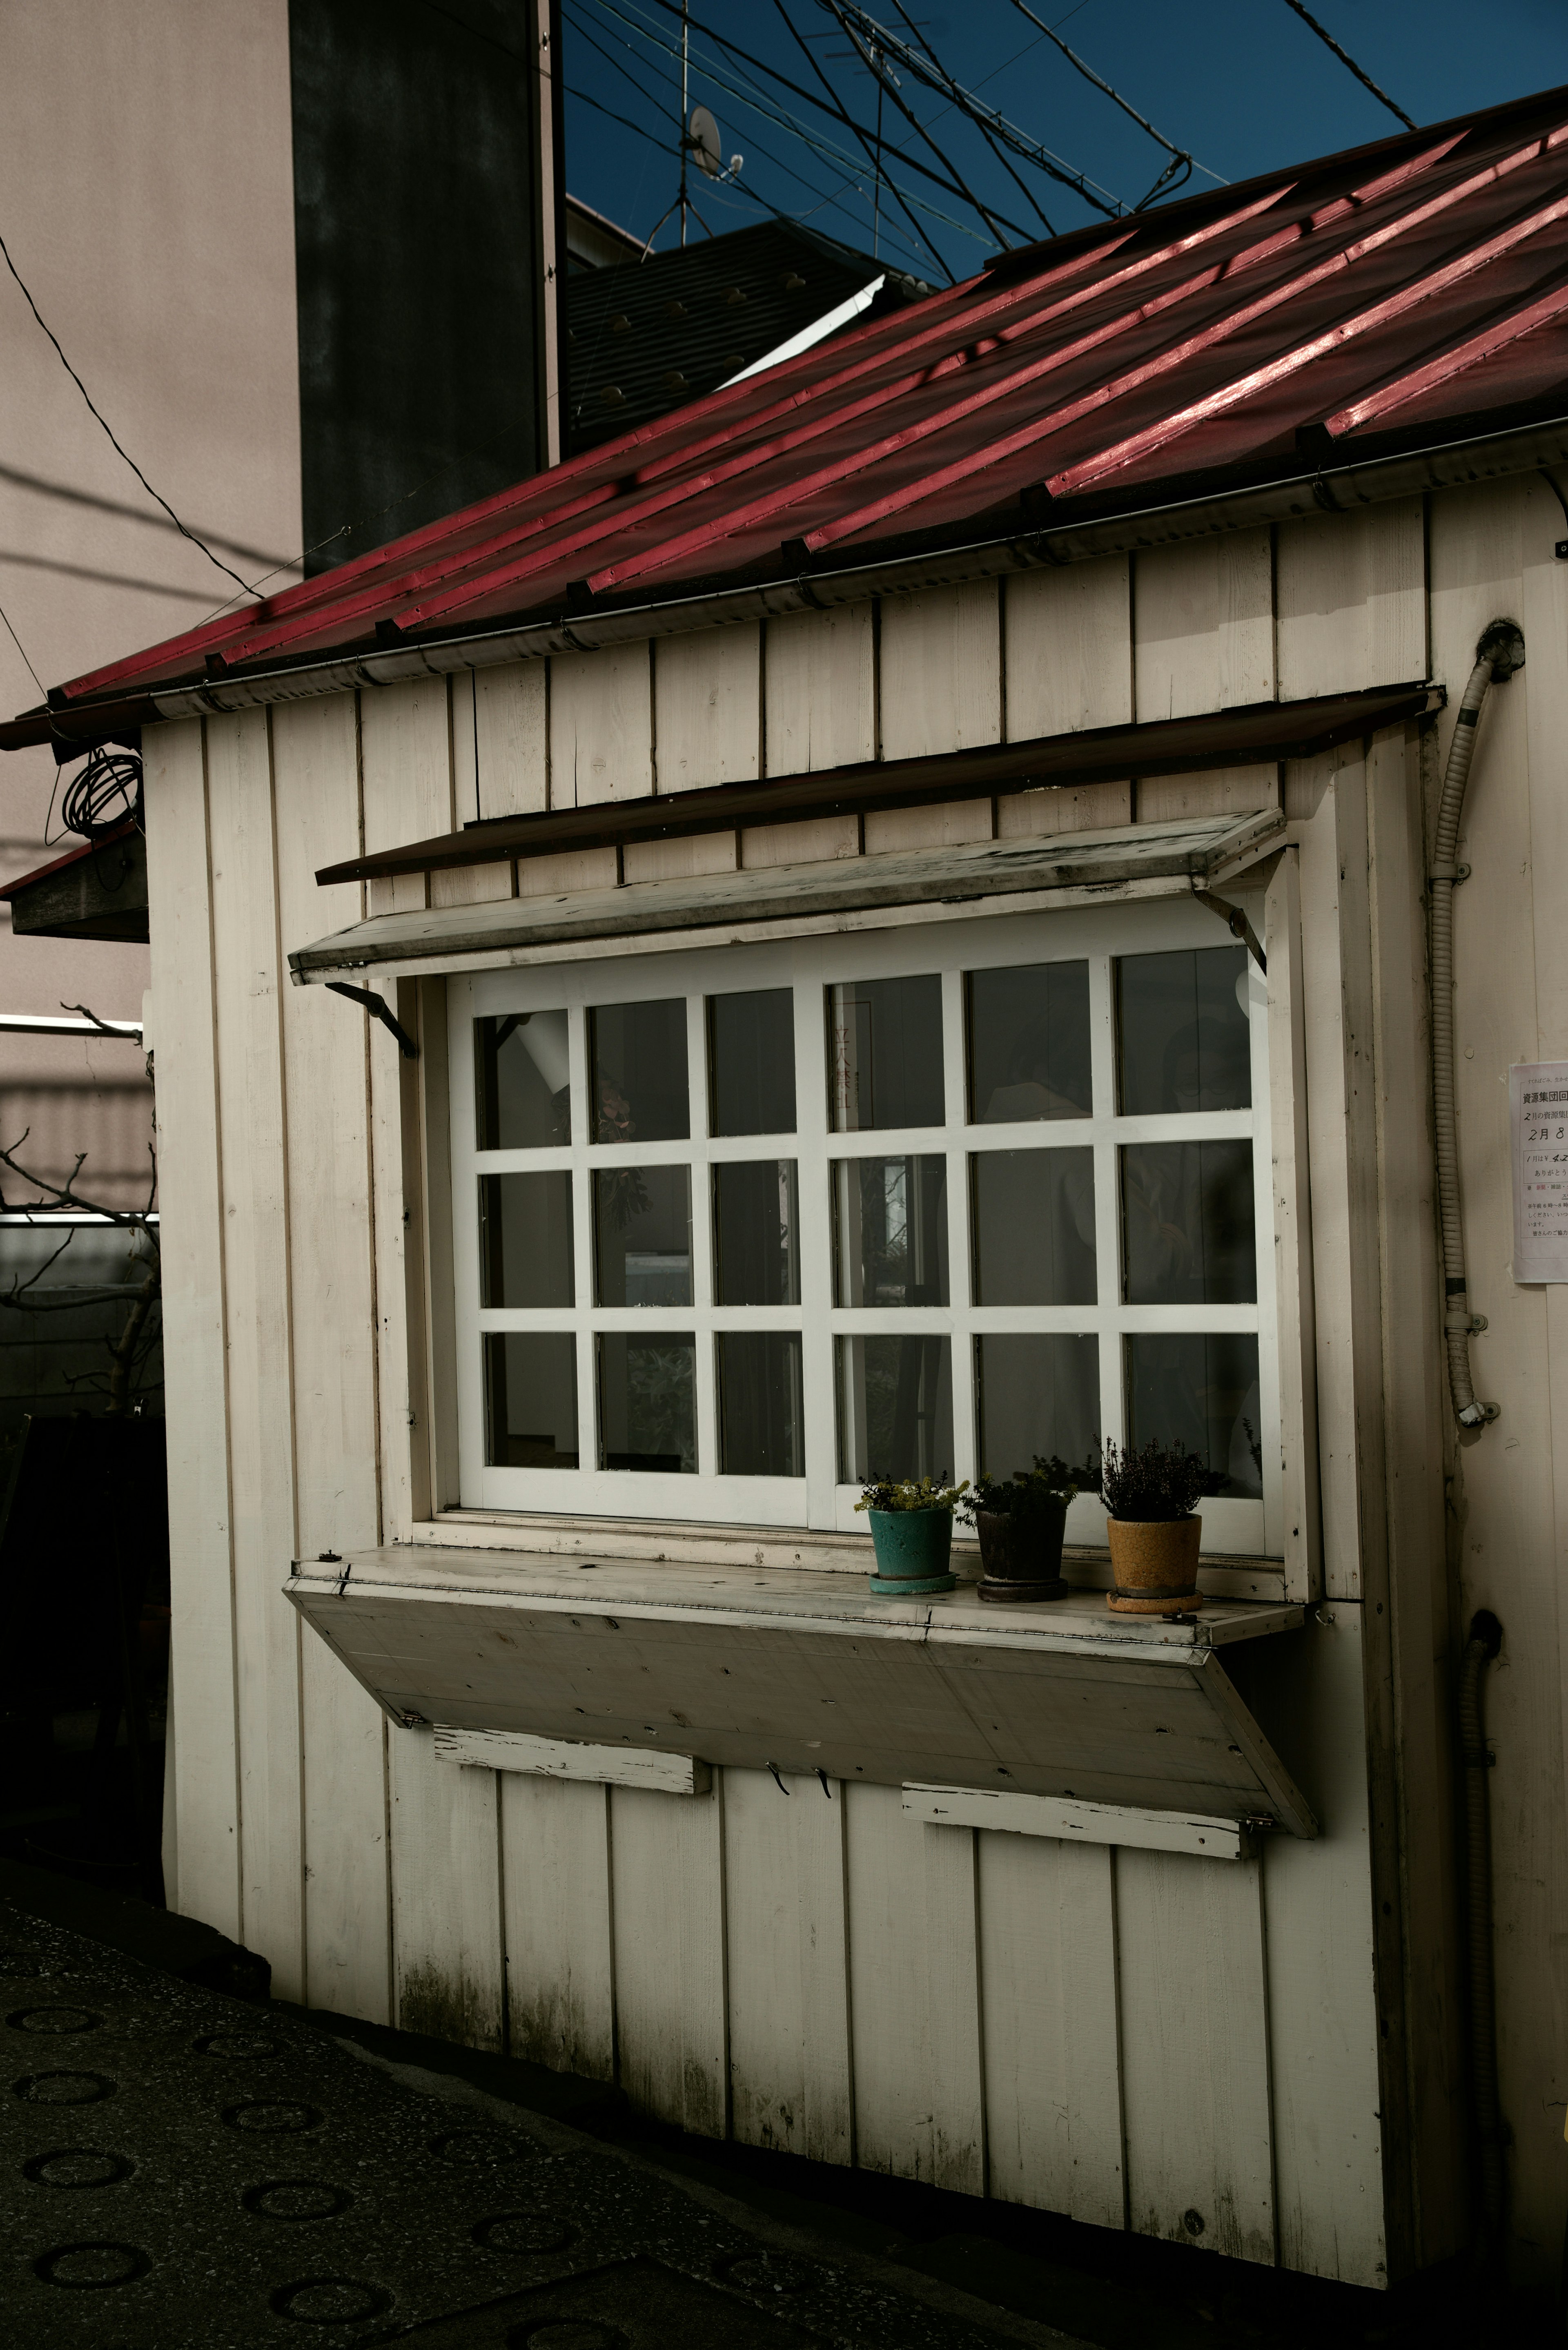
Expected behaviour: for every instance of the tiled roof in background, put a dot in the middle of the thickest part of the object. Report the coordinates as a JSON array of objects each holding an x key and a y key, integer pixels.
[{"x": 1369, "y": 301}]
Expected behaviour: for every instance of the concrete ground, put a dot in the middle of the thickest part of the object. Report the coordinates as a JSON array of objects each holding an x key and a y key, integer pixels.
[{"x": 187, "y": 2169}]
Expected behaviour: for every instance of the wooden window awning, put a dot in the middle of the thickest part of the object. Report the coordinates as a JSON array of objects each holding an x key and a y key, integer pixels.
[
  {"x": 1254, "y": 736},
  {"x": 803, "y": 1671},
  {"x": 1007, "y": 877}
]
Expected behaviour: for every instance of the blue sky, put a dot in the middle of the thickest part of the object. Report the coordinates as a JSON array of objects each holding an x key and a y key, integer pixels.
[{"x": 1242, "y": 85}]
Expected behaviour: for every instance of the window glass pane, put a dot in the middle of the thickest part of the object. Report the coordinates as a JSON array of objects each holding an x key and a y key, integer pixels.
[
  {"x": 891, "y": 1231},
  {"x": 756, "y": 1234},
  {"x": 1182, "y": 1036},
  {"x": 1034, "y": 1227},
  {"x": 1029, "y": 1042},
  {"x": 521, "y": 1071},
  {"x": 1201, "y": 1388},
  {"x": 525, "y": 1239},
  {"x": 648, "y": 1401},
  {"x": 1037, "y": 1394},
  {"x": 1188, "y": 1221},
  {"x": 751, "y": 1045},
  {"x": 760, "y": 1419},
  {"x": 642, "y": 1235},
  {"x": 531, "y": 1398},
  {"x": 639, "y": 1056},
  {"x": 885, "y": 1054},
  {"x": 895, "y": 1409}
]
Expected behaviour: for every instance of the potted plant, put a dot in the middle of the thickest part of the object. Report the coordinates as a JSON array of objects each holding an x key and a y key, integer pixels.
[
  {"x": 912, "y": 1534},
  {"x": 1151, "y": 1492},
  {"x": 1019, "y": 1522}
]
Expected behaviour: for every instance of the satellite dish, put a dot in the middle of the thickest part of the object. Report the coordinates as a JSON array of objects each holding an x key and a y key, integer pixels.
[{"x": 703, "y": 140}]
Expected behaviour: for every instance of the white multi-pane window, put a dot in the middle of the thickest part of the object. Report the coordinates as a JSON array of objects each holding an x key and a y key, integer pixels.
[{"x": 734, "y": 1230}]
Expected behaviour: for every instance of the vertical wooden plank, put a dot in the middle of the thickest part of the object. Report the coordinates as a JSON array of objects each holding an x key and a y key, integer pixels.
[
  {"x": 206, "y": 1799},
  {"x": 325, "y": 1047},
  {"x": 668, "y": 1871},
  {"x": 511, "y": 716},
  {"x": 1225, "y": 791},
  {"x": 601, "y": 727},
  {"x": 406, "y": 749},
  {"x": 708, "y": 707},
  {"x": 915, "y": 1995},
  {"x": 555, "y": 1869},
  {"x": 1203, "y": 626},
  {"x": 1195, "y": 2052},
  {"x": 1293, "y": 1234},
  {"x": 464, "y": 748},
  {"x": 941, "y": 678},
  {"x": 1052, "y": 2059},
  {"x": 821, "y": 690},
  {"x": 928, "y": 828},
  {"x": 446, "y": 1895},
  {"x": 790, "y": 2081},
  {"x": 1351, "y": 596},
  {"x": 258, "y": 1334},
  {"x": 1068, "y": 639},
  {"x": 1070, "y": 808}
]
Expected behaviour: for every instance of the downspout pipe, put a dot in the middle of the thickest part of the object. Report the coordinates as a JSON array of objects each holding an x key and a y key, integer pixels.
[
  {"x": 1483, "y": 1644},
  {"x": 1499, "y": 653}
]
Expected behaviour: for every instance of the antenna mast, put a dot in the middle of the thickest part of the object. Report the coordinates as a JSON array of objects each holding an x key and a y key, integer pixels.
[{"x": 685, "y": 110}]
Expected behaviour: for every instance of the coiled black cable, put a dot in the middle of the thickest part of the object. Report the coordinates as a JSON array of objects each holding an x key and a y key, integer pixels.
[{"x": 102, "y": 794}]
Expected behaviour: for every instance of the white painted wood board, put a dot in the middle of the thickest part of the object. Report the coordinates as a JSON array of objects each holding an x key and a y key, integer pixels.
[
  {"x": 1210, "y": 1837},
  {"x": 1067, "y": 635},
  {"x": 668, "y": 1874},
  {"x": 511, "y": 722},
  {"x": 563, "y": 1758},
  {"x": 820, "y": 690},
  {"x": 405, "y": 740},
  {"x": 1292, "y": 1232},
  {"x": 560, "y": 1970},
  {"x": 446, "y": 1897},
  {"x": 248, "y": 980},
  {"x": 707, "y": 708},
  {"x": 1051, "y": 2032},
  {"x": 601, "y": 727},
  {"x": 940, "y": 671},
  {"x": 1350, "y": 591},
  {"x": 915, "y": 1989},
  {"x": 206, "y": 1799},
  {"x": 1203, "y": 626},
  {"x": 787, "y": 1939}
]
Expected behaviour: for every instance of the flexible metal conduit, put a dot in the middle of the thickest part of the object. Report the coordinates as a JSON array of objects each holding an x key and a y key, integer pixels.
[
  {"x": 1485, "y": 1640},
  {"x": 1500, "y": 652}
]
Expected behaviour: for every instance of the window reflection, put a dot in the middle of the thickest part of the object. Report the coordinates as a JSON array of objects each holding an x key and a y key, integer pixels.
[
  {"x": 891, "y": 1231},
  {"x": 894, "y": 1407},
  {"x": 521, "y": 1065},
  {"x": 642, "y": 1235},
  {"x": 648, "y": 1401},
  {"x": 756, "y": 1234},
  {"x": 1182, "y": 1037},
  {"x": 1034, "y": 1227},
  {"x": 1189, "y": 1224},
  {"x": 761, "y": 1431},
  {"x": 531, "y": 1399},
  {"x": 1200, "y": 1389},
  {"x": 1038, "y": 1394},
  {"x": 638, "y": 1053},
  {"x": 525, "y": 1239},
  {"x": 1029, "y": 1042},
  {"x": 751, "y": 1048},
  {"x": 885, "y": 1054}
]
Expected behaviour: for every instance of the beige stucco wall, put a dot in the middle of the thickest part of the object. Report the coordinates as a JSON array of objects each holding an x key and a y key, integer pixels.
[{"x": 146, "y": 196}]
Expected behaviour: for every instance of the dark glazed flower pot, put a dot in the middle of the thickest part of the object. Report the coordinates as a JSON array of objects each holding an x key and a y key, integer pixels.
[
  {"x": 1022, "y": 1559},
  {"x": 913, "y": 1547}
]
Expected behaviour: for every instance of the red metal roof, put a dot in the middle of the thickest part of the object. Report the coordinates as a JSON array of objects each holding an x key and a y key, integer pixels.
[{"x": 1354, "y": 304}]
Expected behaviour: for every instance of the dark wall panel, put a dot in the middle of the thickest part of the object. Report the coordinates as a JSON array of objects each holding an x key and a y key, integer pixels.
[{"x": 419, "y": 261}]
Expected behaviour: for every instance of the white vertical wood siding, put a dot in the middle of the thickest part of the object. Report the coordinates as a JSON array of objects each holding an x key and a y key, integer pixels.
[{"x": 1141, "y": 2039}]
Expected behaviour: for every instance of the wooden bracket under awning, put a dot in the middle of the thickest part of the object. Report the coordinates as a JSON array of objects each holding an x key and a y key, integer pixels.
[{"x": 802, "y": 1670}]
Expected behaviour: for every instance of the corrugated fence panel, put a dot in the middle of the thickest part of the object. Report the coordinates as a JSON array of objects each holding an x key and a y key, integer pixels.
[{"x": 261, "y": 1420}]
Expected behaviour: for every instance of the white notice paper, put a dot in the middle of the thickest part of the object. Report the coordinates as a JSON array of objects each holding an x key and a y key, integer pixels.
[{"x": 1537, "y": 1119}]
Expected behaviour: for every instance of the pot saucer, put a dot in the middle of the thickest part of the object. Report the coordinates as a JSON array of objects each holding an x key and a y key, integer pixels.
[{"x": 997, "y": 1588}]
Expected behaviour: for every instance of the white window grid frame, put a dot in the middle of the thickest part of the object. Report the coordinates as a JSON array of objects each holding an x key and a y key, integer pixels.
[{"x": 809, "y": 966}]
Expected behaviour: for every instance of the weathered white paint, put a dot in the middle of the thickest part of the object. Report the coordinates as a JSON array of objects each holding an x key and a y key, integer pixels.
[
  {"x": 561, "y": 1758},
  {"x": 1075, "y": 1823}
]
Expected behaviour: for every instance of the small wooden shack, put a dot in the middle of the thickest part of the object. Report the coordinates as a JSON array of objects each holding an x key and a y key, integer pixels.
[{"x": 895, "y": 903}]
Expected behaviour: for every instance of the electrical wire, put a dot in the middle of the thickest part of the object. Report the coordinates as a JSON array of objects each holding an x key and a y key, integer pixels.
[
  {"x": 871, "y": 57},
  {"x": 997, "y": 151},
  {"x": 22, "y": 649},
  {"x": 1081, "y": 65},
  {"x": 102, "y": 794},
  {"x": 180, "y": 526},
  {"x": 1366, "y": 78}
]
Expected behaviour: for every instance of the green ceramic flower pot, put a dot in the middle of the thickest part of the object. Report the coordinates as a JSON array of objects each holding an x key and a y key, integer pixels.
[{"x": 912, "y": 1547}]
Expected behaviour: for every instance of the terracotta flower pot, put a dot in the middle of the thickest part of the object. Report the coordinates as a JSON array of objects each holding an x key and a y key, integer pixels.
[
  {"x": 1022, "y": 1556},
  {"x": 912, "y": 1547},
  {"x": 1154, "y": 1565}
]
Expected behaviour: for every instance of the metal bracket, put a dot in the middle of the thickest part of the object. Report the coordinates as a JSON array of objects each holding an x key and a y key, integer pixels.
[
  {"x": 1454, "y": 873},
  {"x": 379, "y": 1009},
  {"x": 1235, "y": 921}
]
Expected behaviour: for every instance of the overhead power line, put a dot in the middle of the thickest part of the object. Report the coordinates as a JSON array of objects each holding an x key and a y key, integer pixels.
[
  {"x": 103, "y": 420},
  {"x": 1366, "y": 78},
  {"x": 1177, "y": 154}
]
